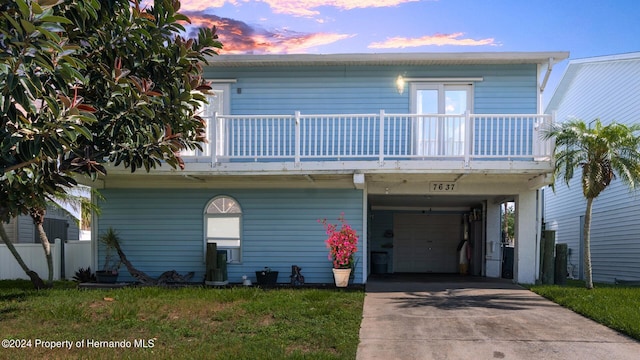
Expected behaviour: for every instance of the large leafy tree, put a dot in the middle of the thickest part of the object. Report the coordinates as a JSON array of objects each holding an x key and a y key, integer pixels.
[
  {"x": 90, "y": 82},
  {"x": 602, "y": 152}
]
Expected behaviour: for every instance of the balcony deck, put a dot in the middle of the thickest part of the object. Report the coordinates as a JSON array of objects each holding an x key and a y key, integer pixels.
[{"x": 374, "y": 142}]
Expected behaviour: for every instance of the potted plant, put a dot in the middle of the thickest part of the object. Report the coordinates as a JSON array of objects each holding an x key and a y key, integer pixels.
[
  {"x": 266, "y": 277},
  {"x": 342, "y": 243},
  {"x": 109, "y": 272}
]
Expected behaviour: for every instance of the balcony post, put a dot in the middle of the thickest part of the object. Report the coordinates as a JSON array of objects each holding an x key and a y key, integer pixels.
[
  {"x": 381, "y": 144},
  {"x": 468, "y": 136},
  {"x": 297, "y": 139},
  {"x": 538, "y": 144},
  {"x": 213, "y": 135}
]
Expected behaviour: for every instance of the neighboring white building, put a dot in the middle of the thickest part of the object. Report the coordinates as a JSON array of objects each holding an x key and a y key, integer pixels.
[{"x": 608, "y": 88}]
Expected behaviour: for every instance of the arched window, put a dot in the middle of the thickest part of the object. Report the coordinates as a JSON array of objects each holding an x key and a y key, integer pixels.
[{"x": 223, "y": 223}]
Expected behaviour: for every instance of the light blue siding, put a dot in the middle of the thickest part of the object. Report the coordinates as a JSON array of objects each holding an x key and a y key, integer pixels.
[
  {"x": 505, "y": 89},
  {"x": 608, "y": 89},
  {"x": 163, "y": 229},
  {"x": 369, "y": 89}
]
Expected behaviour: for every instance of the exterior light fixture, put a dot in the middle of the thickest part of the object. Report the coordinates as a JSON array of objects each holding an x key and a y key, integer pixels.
[{"x": 400, "y": 84}]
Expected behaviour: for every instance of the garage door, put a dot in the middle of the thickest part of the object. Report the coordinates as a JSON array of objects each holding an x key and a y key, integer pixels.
[{"x": 426, "y": 243}]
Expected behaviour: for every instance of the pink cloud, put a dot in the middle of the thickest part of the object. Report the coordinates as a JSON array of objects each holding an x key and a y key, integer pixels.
[
  {"x": 432, "y": 40},
  {"x": 307, "y": 7},
  {"x": 294, "y": 7},
  {"x": 199, "y": 5},
  {"x": 238, "y": 37},
  {"x": 195, "y": 5}
]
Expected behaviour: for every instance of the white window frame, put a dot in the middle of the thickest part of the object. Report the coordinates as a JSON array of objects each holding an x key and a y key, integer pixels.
[
  {"x": 421, "y": 123},
  {"x": 222, "y": 91},
  {"x": 234, "y": 253}
]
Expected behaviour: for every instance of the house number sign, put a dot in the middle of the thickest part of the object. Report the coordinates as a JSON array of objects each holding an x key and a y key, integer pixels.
[{"x": 442, "y": 186}]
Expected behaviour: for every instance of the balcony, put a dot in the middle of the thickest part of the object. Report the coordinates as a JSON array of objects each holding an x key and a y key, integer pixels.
[{"x": 375, "y": 142}]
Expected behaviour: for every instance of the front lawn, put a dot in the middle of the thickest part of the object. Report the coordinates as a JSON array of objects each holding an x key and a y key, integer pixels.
[
  {"x": 179, "y": 323},
  {"x": 615, "y": 306}
]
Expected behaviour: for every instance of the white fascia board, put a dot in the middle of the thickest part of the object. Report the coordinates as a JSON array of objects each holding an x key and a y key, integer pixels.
[{"x": 388, "y": 58}]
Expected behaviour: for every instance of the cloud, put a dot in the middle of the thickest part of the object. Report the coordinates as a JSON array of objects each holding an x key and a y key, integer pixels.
[
  {"x": 432, "y": 40},
  {"x": 239, "y": 37},
  {"x": 199, "y": 5},
  {"x": 304, "y": 8},
  {"x": 195, "y": 5},
  {"x": 307, "y": 7}
]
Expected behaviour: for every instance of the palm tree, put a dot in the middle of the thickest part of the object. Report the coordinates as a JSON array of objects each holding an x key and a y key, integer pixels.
[{"x": 603, "y": 152}]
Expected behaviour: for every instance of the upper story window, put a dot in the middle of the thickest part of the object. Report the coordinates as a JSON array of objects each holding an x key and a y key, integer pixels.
[
  {"x": 223, "y": 223},
  {"x": 438, "y": 134}
]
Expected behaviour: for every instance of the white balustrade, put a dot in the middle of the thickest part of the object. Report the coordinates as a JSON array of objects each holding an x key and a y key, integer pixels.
[{"x": 335, "y": 137}]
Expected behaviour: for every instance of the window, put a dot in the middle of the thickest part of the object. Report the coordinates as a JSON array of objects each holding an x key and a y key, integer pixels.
[
  {"x": 438, "y": 134},
  {"x": 223, "y": 226}
]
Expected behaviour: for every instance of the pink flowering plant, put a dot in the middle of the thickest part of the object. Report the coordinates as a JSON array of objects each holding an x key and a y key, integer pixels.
[{"x": 342, "y": 242}]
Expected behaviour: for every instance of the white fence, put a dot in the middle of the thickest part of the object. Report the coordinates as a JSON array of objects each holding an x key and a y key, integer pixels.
[{"x": 77, "y": 254}]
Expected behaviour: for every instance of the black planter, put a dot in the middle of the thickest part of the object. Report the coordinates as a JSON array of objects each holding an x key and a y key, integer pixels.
[
  {"x": 267, "y": 278},
  {"x": 106, "y": 277}
]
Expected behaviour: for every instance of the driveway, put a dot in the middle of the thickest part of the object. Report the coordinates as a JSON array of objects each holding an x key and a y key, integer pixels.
[{"x": 452, "y": 317}]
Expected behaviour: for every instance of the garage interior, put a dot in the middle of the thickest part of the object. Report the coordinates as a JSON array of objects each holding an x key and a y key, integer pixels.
[{"x": 432, "y": 234}]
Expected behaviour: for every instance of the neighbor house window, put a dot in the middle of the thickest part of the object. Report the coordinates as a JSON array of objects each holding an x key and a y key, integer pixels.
[
  {"x": 441, "y": 131},
  {"x": 223, "y": 226}
]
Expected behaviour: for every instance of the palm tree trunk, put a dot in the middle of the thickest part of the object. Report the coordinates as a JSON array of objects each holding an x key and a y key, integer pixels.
[
  {"x": 35, "y": 279},
  {"x": 587, "y": 245}
]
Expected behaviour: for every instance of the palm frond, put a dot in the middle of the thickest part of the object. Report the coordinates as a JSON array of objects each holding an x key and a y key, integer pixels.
[{"x": 603, "y": 152}]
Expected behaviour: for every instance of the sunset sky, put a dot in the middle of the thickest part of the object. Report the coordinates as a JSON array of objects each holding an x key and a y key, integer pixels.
[{"x": 582, "y": 27}]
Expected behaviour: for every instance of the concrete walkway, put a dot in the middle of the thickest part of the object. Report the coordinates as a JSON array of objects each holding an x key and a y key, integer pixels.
[{"x": 450, "y": 317}]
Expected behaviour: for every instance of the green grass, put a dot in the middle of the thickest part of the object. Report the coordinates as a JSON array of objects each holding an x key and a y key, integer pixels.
[
  {"x": 183, "y": 323},
  {"x": 615, "y": 306}
]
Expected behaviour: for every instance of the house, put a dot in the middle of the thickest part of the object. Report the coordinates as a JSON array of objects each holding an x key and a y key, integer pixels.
[
  {"x": 608, "y": 88},
  {"x": 418, "y": 150}
]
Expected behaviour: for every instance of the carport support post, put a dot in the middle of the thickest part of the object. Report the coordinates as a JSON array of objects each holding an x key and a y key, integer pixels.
[{"x": 526, "y": 233}]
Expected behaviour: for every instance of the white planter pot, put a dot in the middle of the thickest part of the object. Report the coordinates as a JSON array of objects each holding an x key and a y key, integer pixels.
[{"x": 341, "y": 277}]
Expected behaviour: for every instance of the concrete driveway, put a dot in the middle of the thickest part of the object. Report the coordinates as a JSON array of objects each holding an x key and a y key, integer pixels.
[{"x": 451, "y": 317}]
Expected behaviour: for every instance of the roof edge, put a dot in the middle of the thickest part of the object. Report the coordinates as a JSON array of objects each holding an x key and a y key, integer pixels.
[
  {"x": 572, "y": 67},
  {"x": 390, "y": 58}
]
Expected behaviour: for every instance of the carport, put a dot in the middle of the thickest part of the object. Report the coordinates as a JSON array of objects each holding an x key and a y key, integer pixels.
[
  {"x": 417, "y": 222},
  {"x": 426, "y": 234}
]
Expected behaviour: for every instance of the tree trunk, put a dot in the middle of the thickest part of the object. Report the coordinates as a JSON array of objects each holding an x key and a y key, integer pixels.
[
  {"x": 46, "y": 245},
  {"x": 141, "y": 276},
  {"x": 505, "y": 224},
  {"x": 587, "y": 245},
  {"x": 38, "y": 216},
  {"x": 35, "y": 279}
]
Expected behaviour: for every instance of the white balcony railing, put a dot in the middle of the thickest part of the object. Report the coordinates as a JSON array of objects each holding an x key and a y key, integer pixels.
[{"x": 298, "y": 138}]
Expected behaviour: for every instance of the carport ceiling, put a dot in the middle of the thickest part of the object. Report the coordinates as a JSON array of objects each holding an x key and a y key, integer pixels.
[{"x": 422, "y": 201}]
